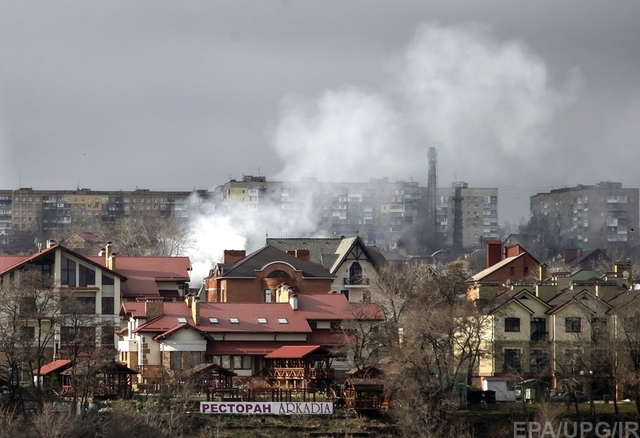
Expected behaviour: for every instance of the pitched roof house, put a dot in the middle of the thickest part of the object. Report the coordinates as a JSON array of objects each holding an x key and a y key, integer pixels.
[
  {"x": 166, "y": 337},
  {"x": 266, "y": 275},
  {"x": 353, "y": 264}
]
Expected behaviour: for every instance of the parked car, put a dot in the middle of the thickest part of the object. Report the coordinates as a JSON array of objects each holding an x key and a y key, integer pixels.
[{"x": 568, "y": 397}]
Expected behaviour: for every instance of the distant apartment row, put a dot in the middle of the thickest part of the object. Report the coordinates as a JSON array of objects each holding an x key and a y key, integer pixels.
[{"x": 381, "y": 212}]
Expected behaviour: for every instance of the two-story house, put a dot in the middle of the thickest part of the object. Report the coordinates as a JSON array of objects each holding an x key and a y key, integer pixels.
[
  {"x": 163, "y": 339},
  {"x": 353, "y": 264}
]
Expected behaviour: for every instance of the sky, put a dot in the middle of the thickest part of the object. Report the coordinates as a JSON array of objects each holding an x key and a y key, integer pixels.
[{"x": 166, "y": 95}]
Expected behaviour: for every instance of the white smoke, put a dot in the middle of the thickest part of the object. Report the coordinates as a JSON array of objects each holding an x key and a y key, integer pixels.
[
  {"x": 215, "y": 230},
  {"x": 481, "y": 102}
]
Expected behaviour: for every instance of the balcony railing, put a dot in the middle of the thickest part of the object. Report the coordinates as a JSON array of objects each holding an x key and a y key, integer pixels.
[
  {"x": 300, "y": 373},
  {"x": 356, "y": 281}
]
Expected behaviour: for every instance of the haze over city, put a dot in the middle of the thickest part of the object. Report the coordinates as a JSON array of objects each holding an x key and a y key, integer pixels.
[{"x": 524, "y": 96}]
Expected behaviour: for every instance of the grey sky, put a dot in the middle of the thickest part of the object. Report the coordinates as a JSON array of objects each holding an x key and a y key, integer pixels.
[{"x": 524, "y": 96}]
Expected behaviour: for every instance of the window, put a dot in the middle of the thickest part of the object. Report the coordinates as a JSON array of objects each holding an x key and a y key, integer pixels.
[
  {"x": 107, "y": 333},
  {"x": 87, "y": 276},
  {"x": 106, "y": 280},
  {"x": 262, "y": 320},
  {"x": 538, "y": 329},
  {"x": 512, "y": 271},
  {"x": 598, "y": 328},
  {"x": 512, "y": 324},
  {"x": 182, "y": 320},
  {"x": 283, "y": 321},
  {"x": 345, "y": 293},
  {"x": 175, "y": 360},
  {"x": 87, "y": 304},
  {"x": 29, "y": 332},
  {"x": 67, "y": 272},
  {"x": 538, "y": 361},
  {"x": 234, "y": 320},
  {"x": 213, "y": 320},
  {"x": 572, "y": 324},
  {"x": 511, "y": 360},
  {"x": 107, "y": 306},
  {"x": 267, "y": 296},
  {"x": 195, "y": 358}
]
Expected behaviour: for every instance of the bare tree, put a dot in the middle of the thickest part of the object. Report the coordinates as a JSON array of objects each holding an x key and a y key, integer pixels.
[
  {"x": 29, "y": 311},
  {"x": 433, "y": 338},
  {"x": 156, "y": 236},
  {"x": 80, "y": 344}
]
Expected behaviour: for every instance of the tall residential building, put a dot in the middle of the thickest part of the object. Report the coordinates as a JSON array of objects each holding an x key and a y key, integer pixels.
[
  {"x": 604, "y": 215},
  {"x": 467, "y": 217}
]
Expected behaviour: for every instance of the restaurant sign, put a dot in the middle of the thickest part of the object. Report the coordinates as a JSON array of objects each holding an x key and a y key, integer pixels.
[{"x": 267, "y": 408}]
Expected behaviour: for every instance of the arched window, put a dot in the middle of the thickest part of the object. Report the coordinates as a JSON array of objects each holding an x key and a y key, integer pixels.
[{"x": 278, "y": 274}]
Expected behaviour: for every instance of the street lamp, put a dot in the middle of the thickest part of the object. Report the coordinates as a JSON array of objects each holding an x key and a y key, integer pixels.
[{"x": 589, "y": 375}]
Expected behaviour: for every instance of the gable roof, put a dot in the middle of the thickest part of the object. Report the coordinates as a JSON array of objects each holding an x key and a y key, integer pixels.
[
  {"x": 568, "y": 296},
  {"x": 258, "y": 260},
  {"x": 491, "y": 269},
  {"x": 329, "y": 251},
  {"x": 9, "y": 263},
  {"x": 51, "y": 367},
  {"x": 514, "y": 296},
  {"x": 143, "y": 273}
]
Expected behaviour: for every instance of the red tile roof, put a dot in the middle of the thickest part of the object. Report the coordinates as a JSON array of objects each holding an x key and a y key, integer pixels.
[
  {"x": 292, "y": 352},
  {"x": 51, "y": 367},
  {"x": 143, "y": 273},
  {"x": 254, "y": 317}
]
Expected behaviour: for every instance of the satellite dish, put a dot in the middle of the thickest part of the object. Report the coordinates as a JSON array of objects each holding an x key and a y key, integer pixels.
[{"x": 625, "y": 274}]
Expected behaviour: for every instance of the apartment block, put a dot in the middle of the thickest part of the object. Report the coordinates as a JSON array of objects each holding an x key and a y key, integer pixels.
[
  {"x": 604, "y": 215},
  {"x": 26, "y": 211},
  {"x": 466, "y": 216}
]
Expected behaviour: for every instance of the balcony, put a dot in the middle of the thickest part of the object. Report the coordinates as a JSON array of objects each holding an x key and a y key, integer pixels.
[
  {"x": 539, "y": 336},
  {"x": 356, "y": 281}
]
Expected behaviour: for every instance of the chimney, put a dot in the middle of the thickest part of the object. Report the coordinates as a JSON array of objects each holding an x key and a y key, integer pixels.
[
  {"x": 51, "y": 243},
  {"x": 233, "y": 255},
  {"x": 153, "y": 307},
  {"x": 494, "y": 252},
  {"x": 303, "y": 254},
  {"x": 542, "y": 272},
  {"x": 111, "y": 261},
  {"x": 513, "y": 250},
  {"x": 192, "y": 302},
  {"x": 293, "y": 301}
]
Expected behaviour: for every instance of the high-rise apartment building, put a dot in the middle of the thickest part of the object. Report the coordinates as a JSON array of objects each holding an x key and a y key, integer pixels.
[
  {"x": 467, "y": 216},
  {"x": 600, "y": 216}
]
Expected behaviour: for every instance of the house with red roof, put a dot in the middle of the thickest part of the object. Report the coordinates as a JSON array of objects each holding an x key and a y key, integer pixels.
[
  {"x": 101, "y": 283},
  {"x": 92, "y": 283},
  {"x": 265, "y": 276},
  {"x": 163, "y": 339}
]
